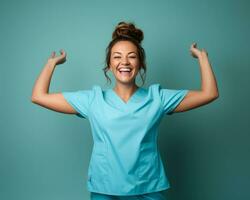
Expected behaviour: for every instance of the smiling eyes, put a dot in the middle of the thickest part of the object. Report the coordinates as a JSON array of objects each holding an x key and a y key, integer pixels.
[{"x": 129, "y": 57}]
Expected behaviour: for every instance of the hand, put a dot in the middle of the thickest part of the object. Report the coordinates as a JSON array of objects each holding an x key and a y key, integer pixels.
[
  {"x": 57, "y": 60},
  {"x": 195, "y": 52}
]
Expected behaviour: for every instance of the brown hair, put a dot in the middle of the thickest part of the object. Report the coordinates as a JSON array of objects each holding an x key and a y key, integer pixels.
[{"x": 127, "y": 31}]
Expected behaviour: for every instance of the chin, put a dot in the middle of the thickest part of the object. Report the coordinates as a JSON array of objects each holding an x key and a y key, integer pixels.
[{"x": 127, "y": 81}]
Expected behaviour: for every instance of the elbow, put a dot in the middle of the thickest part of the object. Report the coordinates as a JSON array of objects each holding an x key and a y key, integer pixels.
[
  {"x": 33, "y": 99},
  {"x": 214, "y": 96},
  {"x": 217, "y": 96},
  {"x": 211, "y": 95},
  {"x": 36, "y": 96}
]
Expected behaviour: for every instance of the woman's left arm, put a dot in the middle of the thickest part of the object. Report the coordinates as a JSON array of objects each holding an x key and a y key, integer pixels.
[{"x": 209, "y": 90}]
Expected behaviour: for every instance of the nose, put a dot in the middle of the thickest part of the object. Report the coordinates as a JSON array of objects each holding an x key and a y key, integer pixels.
[{"x": 125, "y": 61}]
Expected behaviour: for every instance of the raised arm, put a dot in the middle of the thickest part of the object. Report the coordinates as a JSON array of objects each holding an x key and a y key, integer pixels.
[
  {"x": 40, "y": 92},
  {"x": 209, "y": 90}
]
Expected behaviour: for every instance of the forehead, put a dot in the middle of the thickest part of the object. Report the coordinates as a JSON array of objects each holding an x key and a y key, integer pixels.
[{"x": 123, "y": 47}]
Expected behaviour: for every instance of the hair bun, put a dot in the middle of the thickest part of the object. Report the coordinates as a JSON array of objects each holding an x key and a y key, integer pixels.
[{"x": 124, "y": 29}]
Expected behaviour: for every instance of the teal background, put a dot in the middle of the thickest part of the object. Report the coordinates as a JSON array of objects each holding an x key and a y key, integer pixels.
[{"x": 45, "y": 154}]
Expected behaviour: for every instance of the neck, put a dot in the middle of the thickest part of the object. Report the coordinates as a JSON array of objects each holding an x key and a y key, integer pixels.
[{"x": 125, "y": 90}]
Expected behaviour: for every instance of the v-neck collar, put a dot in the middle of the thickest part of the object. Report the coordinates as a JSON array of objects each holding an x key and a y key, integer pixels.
[{"x": 131, "y": 98}]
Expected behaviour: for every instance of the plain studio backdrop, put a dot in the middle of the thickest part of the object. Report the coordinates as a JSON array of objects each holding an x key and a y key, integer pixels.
[{"x": 45, "y": 154}]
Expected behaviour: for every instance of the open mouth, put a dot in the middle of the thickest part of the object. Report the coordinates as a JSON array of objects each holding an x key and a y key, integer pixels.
[{"x": 125, "y": 71}]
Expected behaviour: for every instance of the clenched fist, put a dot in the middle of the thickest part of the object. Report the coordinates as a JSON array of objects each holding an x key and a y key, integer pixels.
[{"x": 57, "y": 60}]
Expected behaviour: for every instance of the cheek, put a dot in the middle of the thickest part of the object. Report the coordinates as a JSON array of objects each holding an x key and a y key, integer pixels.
[
  {"x": 114, "y": 63},
  {"x": 137, "y": 63}
]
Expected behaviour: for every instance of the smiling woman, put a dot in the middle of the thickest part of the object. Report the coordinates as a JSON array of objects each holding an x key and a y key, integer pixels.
[
  {"x": 125, "y": 49},
  {"x": 125, "y": 57},
  {"x": 125, "y": 161},
  {"x": 124, "y": 65}
]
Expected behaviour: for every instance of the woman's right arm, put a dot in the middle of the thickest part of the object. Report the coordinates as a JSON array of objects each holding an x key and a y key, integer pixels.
[{"x": 40, "y": 92}]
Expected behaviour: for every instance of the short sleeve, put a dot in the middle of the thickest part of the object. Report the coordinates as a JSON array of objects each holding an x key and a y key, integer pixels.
[
  {"x": 80, "y": 101},
  {"x": 171, "y": 98}
]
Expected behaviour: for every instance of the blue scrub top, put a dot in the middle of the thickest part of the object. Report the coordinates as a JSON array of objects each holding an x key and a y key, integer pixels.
[{"x": 125, "y": 158}]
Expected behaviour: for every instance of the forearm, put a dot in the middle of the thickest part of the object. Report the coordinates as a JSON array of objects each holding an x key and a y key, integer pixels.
[
  {"x": 42, "y": 83},
  {"x": 208, "y": 80}
]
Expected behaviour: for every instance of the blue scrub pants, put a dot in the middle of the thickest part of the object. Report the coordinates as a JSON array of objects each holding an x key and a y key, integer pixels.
[{"x": 149, "y": 196}]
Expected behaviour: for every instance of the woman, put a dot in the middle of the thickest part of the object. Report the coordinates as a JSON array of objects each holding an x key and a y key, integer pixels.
[{"x": 125, "y": 161}]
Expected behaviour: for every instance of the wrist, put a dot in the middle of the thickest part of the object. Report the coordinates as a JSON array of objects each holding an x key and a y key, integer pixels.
[
  {"x": 202, "y": 55},
  {"x": 51, "y": 63}
]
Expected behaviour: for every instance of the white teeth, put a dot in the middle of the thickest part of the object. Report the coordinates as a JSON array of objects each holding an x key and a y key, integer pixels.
[{"x": 125, "y": 70}]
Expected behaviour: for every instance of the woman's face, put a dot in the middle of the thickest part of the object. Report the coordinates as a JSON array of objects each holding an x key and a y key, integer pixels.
[{"x": 124, "y": 62}]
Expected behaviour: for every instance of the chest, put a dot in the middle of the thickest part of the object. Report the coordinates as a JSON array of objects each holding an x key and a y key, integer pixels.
[{"x": 137, "y": 115}]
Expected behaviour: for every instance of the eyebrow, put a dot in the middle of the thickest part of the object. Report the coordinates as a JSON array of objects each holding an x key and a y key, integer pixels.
[{"x": 120, "y": 52}]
